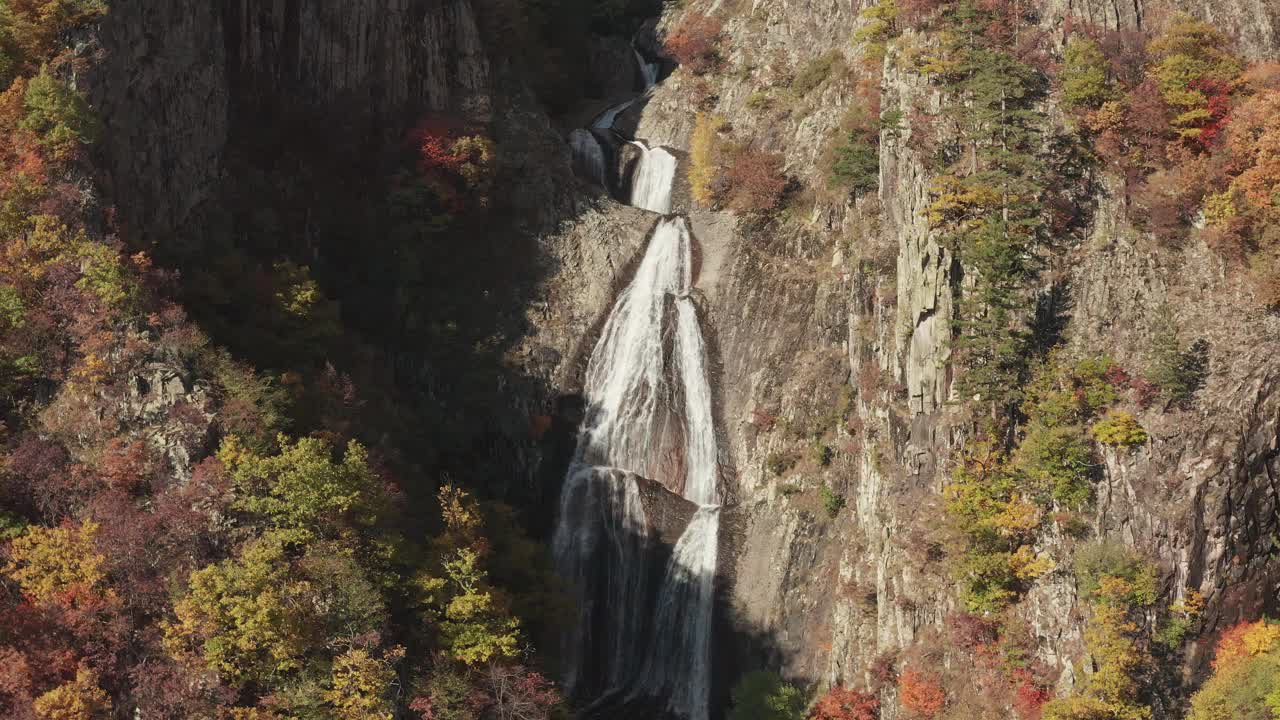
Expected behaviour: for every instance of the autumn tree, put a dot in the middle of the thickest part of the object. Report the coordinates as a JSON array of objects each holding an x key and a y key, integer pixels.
[
  {"x": 302, "y": 489},
  {"x": 244, "y": 617},
  {"x": 705, "y": 158},
  {"x": 58, "y": 116},
  {"x": 363, "y": 685},
  {"x": 1085, "y": 74},
  {"x": 1120, "y": 588},
  {"x": 755, "y": 180},
  {"x": 517, "y": 693},
  {"x": 1195, "y": 72},
  {"x": 695, "y": 43},
  {"x": 841, "y": 703},
  {"x": 79, "y": 699},
  {"x": 921, "y": 694},
  {"x": 49, "y": 564}
]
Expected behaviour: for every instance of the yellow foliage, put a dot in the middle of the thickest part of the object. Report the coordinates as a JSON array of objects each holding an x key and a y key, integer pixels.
[
  {"x": 960, "y": 205},
  {"x": 1190, "y": 606},
  {"x": 1219, "y": 208},
  {"x": 80, "y": 699},
  {"x": 48, "y": 561},
  {"x": 478, "y": 154},
  {"x": 361, "y": 684},
  {"x": 243, "y": 616},
  {"x": 1119, "y": 428},
  {"x": 704, "y": 158},
  {"x": 1017, "y": 518},
  {"x": 460, "y": 511},
  {"x": 476, "y": 625},
  {"x": 300, "y": 293},
  {"x": 1026, "y": 565}
]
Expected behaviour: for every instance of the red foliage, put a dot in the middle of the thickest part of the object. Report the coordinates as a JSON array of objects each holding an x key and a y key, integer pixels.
[
  {"x": 514, "y": 691},
  {"x": 1218, "y": 104},
  {"x": 539, "y": 425},
  {"x": 695, "y": 43},
  {"x": 1144, "y": 392},
  {"x": 921, "y": 694},
  {"x": 1116, "y": 376},
  {"x": 1168, "y": 200},
  {"x": 763, "y": 420},
  {"x": 126, "y": 465},
  {"x": 755, "y": 181},
  {"x": 1138, "y": 145},
  {"x": 15, "y": 681},
  {"x": 1029, "y": 696},
  {"x": 917, "y": 13},
  {"x": 843, "y": 704},
  {"x": 1230, "y": 645},
  {"x": 884, "y": 668},
  {"x": 1008, "y": 25},
  {"x": 170, "y": 690},
  {"x": 972, "y": 631},
  {"x": 433, "y": 140},
  {"x": 39, "y": 478}
]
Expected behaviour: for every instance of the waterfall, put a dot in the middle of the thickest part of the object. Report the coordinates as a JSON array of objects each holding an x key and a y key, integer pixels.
[
  {"x": 603, "y": 526},
  {"x": 647, "y": 69},
  {"x": 627, "y": 381},
  {"x": 700, "y": 437},
  {"x": 649, "y": 413},
  {"x": 588, "y": 157},
  {"x": 605, "y": 120},
  {"x": 678, "y": 664},
  {"x": 654, "y": 175}
]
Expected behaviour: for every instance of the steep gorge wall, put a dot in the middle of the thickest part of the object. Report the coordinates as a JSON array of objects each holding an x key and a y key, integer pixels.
[
  {"x": 177, "y": 82},
  {"x": 795, "y": 316},
  {"x": 821, "y": 598}
]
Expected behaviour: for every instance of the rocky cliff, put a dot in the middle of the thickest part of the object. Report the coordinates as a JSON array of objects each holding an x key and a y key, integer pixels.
[
  {"x": 858, "y": 298},
  {"x": 830, "y": 323}
]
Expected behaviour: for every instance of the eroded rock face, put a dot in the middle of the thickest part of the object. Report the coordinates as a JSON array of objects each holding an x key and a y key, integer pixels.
[
  {"x": 798, "y": 321},
  {"x": 1254, "y": 23},
  {"x": 174, "y": 82},
  {"x": 796, "y": 310},
  {"x": 162, "y": 93}
]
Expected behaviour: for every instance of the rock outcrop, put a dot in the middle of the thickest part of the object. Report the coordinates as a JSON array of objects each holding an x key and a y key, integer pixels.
[{"x": 830, "y": 327}]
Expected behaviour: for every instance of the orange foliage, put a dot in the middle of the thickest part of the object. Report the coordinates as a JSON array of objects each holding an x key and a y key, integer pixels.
[
  {"x": 755, "y": 181},
  {"x": 695, "y": 43},
  {"x": 841, "y": 703},
  {"x": 1244, "y": 641},
  {"x": 921, "y": 694},
  {"x": 1254, "y": 140}
]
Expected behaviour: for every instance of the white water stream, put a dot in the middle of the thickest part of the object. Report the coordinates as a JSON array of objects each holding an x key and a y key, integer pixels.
[
  {"x": 649, "y": 414},
  {"x": 653, "y": 178},
  {"x": 588, "y": 157}
]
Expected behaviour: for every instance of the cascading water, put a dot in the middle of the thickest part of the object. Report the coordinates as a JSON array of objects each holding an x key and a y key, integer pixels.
[
  {"x": 627, "y": 382},
  {"x": 647, "y": 69},
  {"x": 606, "y": 119},
  {"x": 588, "y": 157},
  {"x": 700, "y": 453},
  {"x": 632, "y": 387},
  {"x": 649, "y": 414},
  {"x": 678, "y": 664},
  {"x": 654, "y": 175},
  {"x": 603, "y": 524}
]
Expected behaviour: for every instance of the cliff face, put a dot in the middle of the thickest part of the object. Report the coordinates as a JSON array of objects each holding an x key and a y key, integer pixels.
[
  {"x": 857, "y": 298},
  {"x": 832, "y": 321},
  {"x": 176, "y": 85}
]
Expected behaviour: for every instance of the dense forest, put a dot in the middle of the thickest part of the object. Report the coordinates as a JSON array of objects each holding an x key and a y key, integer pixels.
[{"x": 967, "y": 355}]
